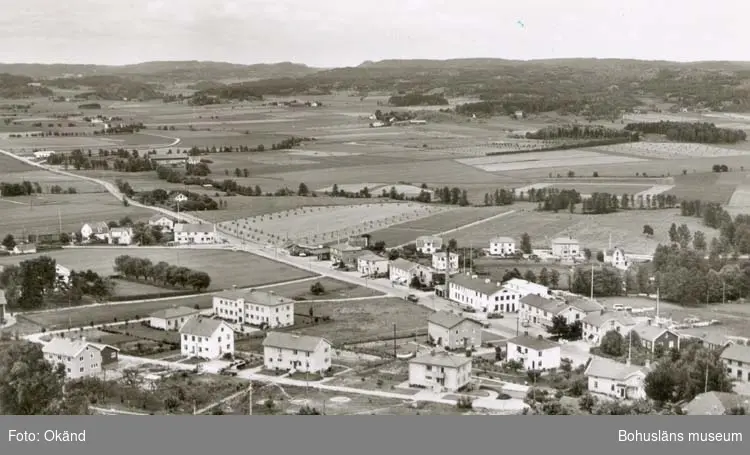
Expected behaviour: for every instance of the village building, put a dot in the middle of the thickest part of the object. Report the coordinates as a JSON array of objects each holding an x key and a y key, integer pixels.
[
  {"x": 710, "y": 340},
  {"x": 582, "y": 307},
  {"x": 168, "y": 160},
  {"x": 254, "y": 308},
  {"x": 616, "y": 258},
  {"x": 502, "y": 246},
  {"x": 428, "y": 244},
  {"x": 63, "y": 274},
  {"x": 596, "y": 325},
  {"x": 171, "y": 318},
  {"x": 345, "y": 253},
  {"x": 121, "y": 236},
  {"x": 24, "y": 248},
  {"x": 539, "y": 311},
  {"x": 206, "y": 338},
  {"x": 401, "y": 271},
  {"x": 445, "y": 262},
  {"x": 165, "y": 222},
  {"x": 194, "y": 233},
  {"x": 525, "y": 288},
  {"x": 736, "y": 358},
  {"x": 80, "y": 358},
  {"x": 370, "y": 264},
  {"x": 95, "y": 230},
  {"x": 566, "y": 248},
  {"x": 482, "y": 295},
  {"x": 653, "y": 337},
  {"x": 616, "y": 379},
  {"x": 290, "y": 352},
  {"x": 440, "y": 371},
  {"x": 716, "y": 404},
  {"x": 451, "y": 331},
  {"x": 535, "y": 354},
  {"x": 43, "y": 154}
]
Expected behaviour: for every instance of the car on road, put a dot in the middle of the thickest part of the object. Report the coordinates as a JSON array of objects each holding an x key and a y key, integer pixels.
[{"x": 412, "y": 298}]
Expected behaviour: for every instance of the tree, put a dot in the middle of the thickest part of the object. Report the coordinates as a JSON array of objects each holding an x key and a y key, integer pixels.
[
  {"x": 29, "y": 385},
  {"x": 612, "y": 344},
  {"x": 683, "y": 236},
  {"x": 415, "y": 282},
  {"x": 9, "y": 242},
  {"x": 600, "y": 256},
  {"x": 317, "y": 288},
  {"x": 648, "y": 230},
  {"x": 559, "y": 327},
  {"x": 587, "y": 402},
  {"x": 554, "y": 279},
  {"x": 526, "y": 243},
  {"x": 587, "y": 254},
  {"x": 699, "y": 241},
  {"x": 303, "y": 190},
  {"x": 452, "y": 244},
  {"x": 529, "y": 276},
  {"x": 308, "y": 411},
  {"x": 65, "y": 238},
  {"x": 659, "y": 384},
  {"x": 544, "y": 277},
  {"x": 673, "y": 237}
]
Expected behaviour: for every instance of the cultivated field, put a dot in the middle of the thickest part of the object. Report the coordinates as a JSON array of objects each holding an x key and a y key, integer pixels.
[
  {"x": 226, "y": 268},
  {"x": 707, "y": 186},
  {"x": 315, "y": 225},
  {"x": 670, "y": 150},
  {"x": 537, "y": 160}
]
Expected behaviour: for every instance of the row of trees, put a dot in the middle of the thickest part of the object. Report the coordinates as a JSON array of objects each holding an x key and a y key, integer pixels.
[
  {"x": 452, "y": 196},
  {"x": 418, "y": 99},
  {"x": 161, "y": 273},
  {"x": 700, "y": 132},
  {"x": 734, "y": 233},
  {"x": 25, "y": 188},
  {"x": 546, "y": 277},
  {"x": 607, "y": 281},
  {"x": 499, "y": 197},
  {"x": 580, "y": 132}
]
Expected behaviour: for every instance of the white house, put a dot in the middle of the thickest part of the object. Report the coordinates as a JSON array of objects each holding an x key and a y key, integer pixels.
[
  {"x": 538, "y": 311},
  {"x": 79, "y": 357},
  {"x": 525, "y": 288},
  {"x": 596, "y": 325},
  {"x": 617, "y": 258},
  {"x": 428, "y": 244},
  {"x": 121, "y": 235},
  {"x": 736, "y": 358},
  {"x": 482, "y": 295},
  {"x": 616, "y": 379},
  {"x": 566, "y": 248},
  {"x": 24, "y": 248},
  {"x": 451, "y": 331},
  {"x": 402, "y": 271},
  {"x": 206, "y": 338},
  {"x": 534, "y": 353},
  {"x": 445, "y": 262},
  {"x": 254, "y": 308},
  {"x": 63, "y": 274},
  {"x": 180, "y": 197},
  {"x": 502, "y": 246},
  {"x": 99, "y": 230},
  {"x": 440, "y": 371},
  {"x": 371, "y": 264},
  {"x": 164, "y": 222},
  {"x": 194, "y": 233},
  {"x": 44, "y": 154},
  {"x": 291, "y": 352},
  {"x": 171, "y": 318}
]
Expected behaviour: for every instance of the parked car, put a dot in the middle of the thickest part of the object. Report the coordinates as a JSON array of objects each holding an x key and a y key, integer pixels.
[{"x": 412, "y": 298}]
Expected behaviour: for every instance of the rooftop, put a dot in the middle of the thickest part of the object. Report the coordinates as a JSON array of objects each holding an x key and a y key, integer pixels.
[
  {"x": 184, "y": 227},
  {"x": 64, "y": 346},
  {"x": 262, "y": 298},
  {"x": 502, "y": 240},
  {"x": 475, "y": 284},
  {"x": 601, "y": 367},
  {"x": 737, "y": 352},
  {"x": 176, "y": 312},
  {"x": 537, "y": 344},
  {"x": 284, "y": 340},
  {"x": 716, "y": 403},
  {"x": 26, "y": 246},
  {"x": 201, "y": 326},
  {"x": 402, "y": 264},
  {"x": 98, "y": 226},
  {"x": 586, "y": 305},
  {"x": 649, "y": 332},
  {"x": 372, "y": 257},
  {"x": 447, "y": 320},
  {"x": 598, "y": 319},
  {"x": 442, "y": 359},
  {"x": 553, "y": 306},
  {"x": 160, "y": 216}
]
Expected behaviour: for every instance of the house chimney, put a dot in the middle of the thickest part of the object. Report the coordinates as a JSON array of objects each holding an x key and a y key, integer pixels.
[
  {"x": 603, "y": 310},
  {"x": 649, "y": 321},
  {"x": 433, "y": 352}
]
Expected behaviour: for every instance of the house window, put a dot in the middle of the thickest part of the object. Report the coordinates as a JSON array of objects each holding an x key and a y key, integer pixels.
[
  {"x": 295, "y": 352},
  {"x": 81, "y": 370},
  {"x": 596, "y": 384},
  {"x": 228, "y": 347},
  {"x": 429, "y": 367},
  {"x": 307, "y": 354},
  {"x": 540, "y": 353}
]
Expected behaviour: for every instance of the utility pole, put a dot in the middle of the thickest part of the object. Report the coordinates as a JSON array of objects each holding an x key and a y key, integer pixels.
[
  {"x": 592, "y": 281},
  {"x": 723, "y": 291},
  {"x": 394, "y": 339},
  {"x": 59, "y": 221},
  {"x": 630, "y": 345},
  {"x": 705, "y": 382},
  {"x": 250, "y": 399}
]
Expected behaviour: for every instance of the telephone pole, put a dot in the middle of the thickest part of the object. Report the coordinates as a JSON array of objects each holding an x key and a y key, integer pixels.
[
  {"x": 250, "y": 399},
  {"x": 394, "y": 339},
  {"x": 592, "y": 281}
]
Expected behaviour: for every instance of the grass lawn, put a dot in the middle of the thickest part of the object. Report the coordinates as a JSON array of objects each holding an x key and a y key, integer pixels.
[
  {"x": 138, "y": 330},
  {"x": 125, "y": 288},
  {"x": 226, "y": 268},
  {"x": 335, "y": 289}
]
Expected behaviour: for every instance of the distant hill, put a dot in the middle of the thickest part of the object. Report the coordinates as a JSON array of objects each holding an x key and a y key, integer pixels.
[
  {"x": 107, "y": 87},
  {"x": 14, "y": 86}
]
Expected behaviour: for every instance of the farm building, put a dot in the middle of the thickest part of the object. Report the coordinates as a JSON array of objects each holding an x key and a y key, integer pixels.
[
  {"x": 616, "y": 379},
  {"x": 98, "y": 230},
  {"x": 169, "y": 160},
  {"x": 291, "y": 352},
  {"x": 653, "y": 337},
  {"x": 194, "y": 233},
  {"x": 536, "y": 354},
  {"x": 254, "y": 308},
  {"x": 371, "y": 264},
  {"x": 171, "y": 318},
  {"x": 165, "y": 222},
  {"x": 428, "y": 244},
  {"x": 440, "y": 371},
  {"x": 566, "y": 248},
  {"x": 482, "y": 295},
  {"x": 79, "y": 357},
  {"x": 502, "y": 246},
  {"x": 121, "y": 236},
  {"x": 43, "y": 154},
  {"x": 596, "y": 325},
  {"x": 180, "y": 198},
  {"x": 206, "y": 338},
  {"x": 445, "y": 262},
  {"x": 736, "y": 358},
  {"x": 63, "y": 274},
  {"x": 452, "y": 331},
  {"x": 24, "y": 248},
  {"x": 525, "y": 288},
  {"x": 716, "y": 404}
]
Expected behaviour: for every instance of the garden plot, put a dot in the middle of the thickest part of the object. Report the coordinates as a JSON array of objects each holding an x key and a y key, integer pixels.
[
  {"x": 541, "y": 160},
  {"x": 667, "y": 150},
  {"x": 318, "y": 225}
]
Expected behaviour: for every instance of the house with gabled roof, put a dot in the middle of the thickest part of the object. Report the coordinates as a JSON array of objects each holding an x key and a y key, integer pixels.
[
  {"x": 482, "y": 294},
  {"x": 653, "y": 337},
  {"x": 291, "y": 352},
  {"x": 401, "y": 271},
  {"x": 539, "y": 311},
  {"x": 429, "y": 244},
  {"x": 502, "y": 246},
  {"x": 80, "y": 357},
  {"x": 121, "y": 235},
  {"x": 371, "y": 264},
  {"x": 566, "y": 248},
  {"x": 166, "y": 223},
  {"x": 534, "y": 353},
  {"x": 206, "y": 338},
  {"x": 736, "y": 358},
  {"x": 716, "y": 404},
  {"x": 98, "y": 230},
  {"x": 171, "y": 318},
  {"x": 452, "y": 331},
  {"x": 193, "y": 233},
  {"x": 596, "y": 325},
  {"x": 616, "y": 379},
  {"x": 253, "y": 308},
  {"x": 440, "y": 371}
]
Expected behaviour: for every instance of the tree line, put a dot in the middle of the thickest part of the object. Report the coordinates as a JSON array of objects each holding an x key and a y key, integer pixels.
[
  {"x": 580, "y": 132},
  {"x": 734, "y": 233},
  {"x": 161, "y": 273},
  {"x": 25, "y": 188},
  {"x": 499, "y": 197},
  {"x": 699, "y": 132},
  {"x": 417, "y": 99}
]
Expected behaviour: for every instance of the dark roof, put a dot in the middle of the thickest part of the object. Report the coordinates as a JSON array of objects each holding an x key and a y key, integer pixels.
[
  {"x": 553, "y": 306},
  {"x": 586, "y": 305},
  {"x": 402, "y": 264},
  {"x": 716, "y": 403},
  {"x": 737, "y": 352},
  {"x": 442, "y": 359},
  {"x": 475, "y": 284},
  {"x": 448, "y": 320},
  {"x": 537, "y": 344},
  {"x": 650, "y": 332},
  {"x": 291, "y": 341},
  {"x": 597, "y": 319}
]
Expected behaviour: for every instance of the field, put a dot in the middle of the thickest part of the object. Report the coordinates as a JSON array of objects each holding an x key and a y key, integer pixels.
[
  {"x": 226, "y": 268},
  {"x": 334, "y": 289},
  {"x": 408, "y": 232},
  {"x": 707, "y": 186},
  {"x": 670, "y": 150},
  {"x": 325, "y": 224},
  {"x": 538, "y": 160},
  {"x": 54, "y": 213}
]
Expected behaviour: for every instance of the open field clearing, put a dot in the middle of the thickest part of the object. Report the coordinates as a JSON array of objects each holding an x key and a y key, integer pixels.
[
  {"x": 706, "y": 186},
  {"x": 537, "y": 160},
  {"x": 670, "y": 150},
  {"x": 654, "y": 191},
  {"x": 334, "y": 289},
  {"x": 126, "y": 288},
  {"x": 408, "y": 232},
  {"x": 603, "y": 187},
  {"x": 48, "y": 179},
  {"x": 226, "y": 268},
  {"x": 315, "y": 225},
  {"x": 10, "y": 166},
  {"x": 740, "y": 197},
  {"x": 51, "y": 213}
]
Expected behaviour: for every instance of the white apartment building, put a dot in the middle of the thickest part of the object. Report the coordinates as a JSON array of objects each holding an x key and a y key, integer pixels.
[
  {"x": 502, "y": 246},
  {"x": 736, "y": 358},
  {"x": 566, "y": 248},
  {"x": 194, "y": 233},
  {"x": 482, "y": 295},
  {"x": 539, "y": 311},
  {"x": 289, "y": 352},
  {"x": 402, "y": 271},
  {"x": 254, "y": 308},
  {"x": 371, "y": 264},
  {"x": 452, "y": 331},
  {"x": 596, "y": 325},
  {"x": 534, "y": 353},
  {"x": 440, "y": 371},
  {"x": 445, "y": 262},
  {"x": 206, "y": 338},
  {"x": 428, "y": 244},
  {"x": 616, "y": 379},
  {"x": 79, "y": 357},
  {"x": 525, "y": 288}
]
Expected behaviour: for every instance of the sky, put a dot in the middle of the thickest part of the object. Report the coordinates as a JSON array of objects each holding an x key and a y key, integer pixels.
[{"x": 334, "y": 33}]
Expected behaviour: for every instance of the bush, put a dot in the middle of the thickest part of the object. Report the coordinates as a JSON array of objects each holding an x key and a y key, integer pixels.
[
  {"x": 464, "y": 402},
  {"x": 317, "y": 288}
]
